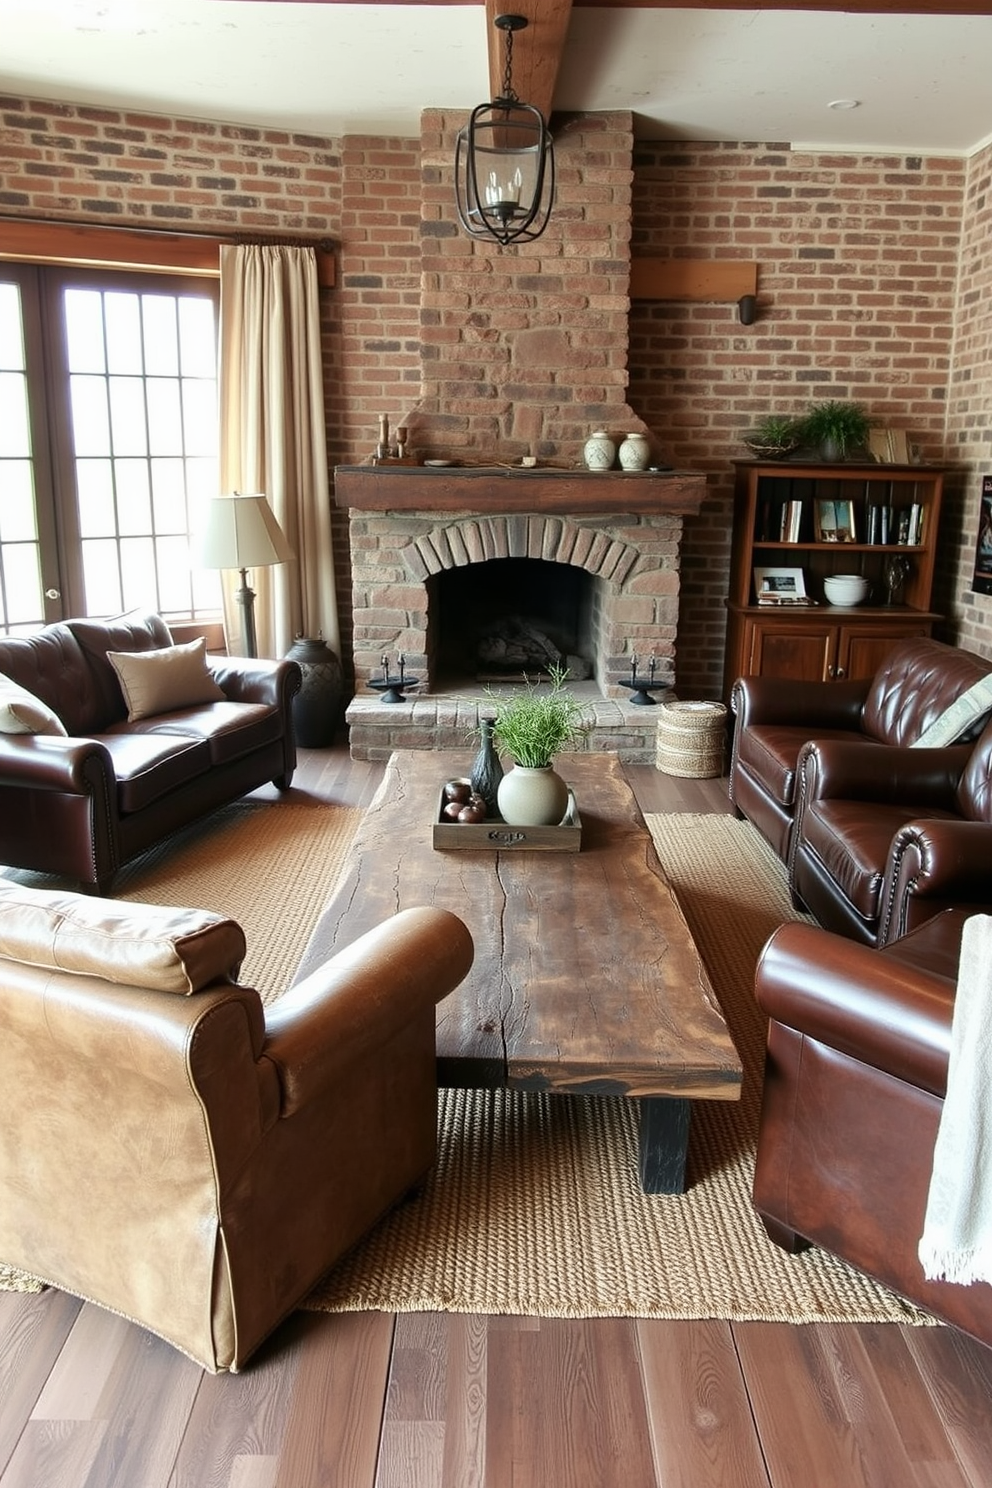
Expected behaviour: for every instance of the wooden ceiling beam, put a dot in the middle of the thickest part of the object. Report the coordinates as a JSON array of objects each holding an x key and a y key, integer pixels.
[{"x": 537, "y": 49}]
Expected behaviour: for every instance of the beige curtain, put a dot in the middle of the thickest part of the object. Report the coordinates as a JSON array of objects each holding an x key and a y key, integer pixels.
[{"x": 273, "y": 437}]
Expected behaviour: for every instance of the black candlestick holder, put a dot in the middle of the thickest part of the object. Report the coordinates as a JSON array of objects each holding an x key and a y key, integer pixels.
[
  {"x": 642, "y": 688},
  {"x": 393, "y": 688}
]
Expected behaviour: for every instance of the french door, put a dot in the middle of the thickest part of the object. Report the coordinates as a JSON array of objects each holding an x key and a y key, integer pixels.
[{"x": 108, "y": 443}]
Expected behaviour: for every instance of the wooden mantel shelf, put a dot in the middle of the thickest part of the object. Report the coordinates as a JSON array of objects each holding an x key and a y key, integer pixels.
[{"x": 491, "y": 488}]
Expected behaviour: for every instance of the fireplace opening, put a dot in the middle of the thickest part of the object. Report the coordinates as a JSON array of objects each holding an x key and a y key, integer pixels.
[{"x": 510, "y": 618}]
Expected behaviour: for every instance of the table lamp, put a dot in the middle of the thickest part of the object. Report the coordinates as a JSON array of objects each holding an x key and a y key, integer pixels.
[{"x": 242, "y": 532}]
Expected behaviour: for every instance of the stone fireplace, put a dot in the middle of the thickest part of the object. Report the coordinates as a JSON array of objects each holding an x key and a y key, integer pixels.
[
  {"x": 522, "y": 354},
  {"x": 433, "y": 558}
]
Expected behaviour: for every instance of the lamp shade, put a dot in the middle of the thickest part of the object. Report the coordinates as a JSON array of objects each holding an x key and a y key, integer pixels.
[{"x": 241, "y": 532}]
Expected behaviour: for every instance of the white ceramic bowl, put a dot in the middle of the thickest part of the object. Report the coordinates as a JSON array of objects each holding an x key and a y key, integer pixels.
[{"x": 845, "y": 589}]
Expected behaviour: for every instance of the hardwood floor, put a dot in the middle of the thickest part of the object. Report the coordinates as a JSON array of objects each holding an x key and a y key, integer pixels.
[{"x": 418, "y": 1400}]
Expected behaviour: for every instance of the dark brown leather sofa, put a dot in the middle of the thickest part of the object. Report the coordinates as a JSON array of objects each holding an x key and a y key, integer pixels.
[
  {"x": 774, "y": 718},
  {"x": 884, "y": 839},
  {"x": 84, "y": 803},
  {"x": 855, "y": 1080}
]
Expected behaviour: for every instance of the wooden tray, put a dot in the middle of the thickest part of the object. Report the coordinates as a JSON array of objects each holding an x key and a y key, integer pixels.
[{"x": 499, "y": 836}]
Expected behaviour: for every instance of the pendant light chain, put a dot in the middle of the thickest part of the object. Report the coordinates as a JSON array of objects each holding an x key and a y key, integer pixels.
[{"x": 508, "y": 68}]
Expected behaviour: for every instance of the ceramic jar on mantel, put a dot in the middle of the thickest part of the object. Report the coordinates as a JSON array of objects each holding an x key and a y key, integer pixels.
[
  {"x": 599, "y": 451},
  {"x": 635, "y": 452}
]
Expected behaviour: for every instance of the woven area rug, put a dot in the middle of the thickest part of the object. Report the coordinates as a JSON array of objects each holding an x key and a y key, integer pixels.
[{"x": 534, "y": 1206}]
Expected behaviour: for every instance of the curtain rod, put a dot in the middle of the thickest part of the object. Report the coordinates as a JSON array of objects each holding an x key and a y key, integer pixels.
[{"x": 236, "y": 239}]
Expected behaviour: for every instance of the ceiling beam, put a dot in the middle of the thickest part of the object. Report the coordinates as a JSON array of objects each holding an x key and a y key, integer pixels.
[{"x": 537, "y": 49}]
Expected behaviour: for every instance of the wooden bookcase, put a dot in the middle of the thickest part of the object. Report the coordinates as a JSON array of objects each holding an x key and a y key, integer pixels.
[{"x": 784, "y": 515}]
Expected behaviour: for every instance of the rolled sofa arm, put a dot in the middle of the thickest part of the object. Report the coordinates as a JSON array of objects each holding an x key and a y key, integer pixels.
[
  {"x": 53, "y": 762},
  {"x": 351, "y": 1004},
  {"x": 852, "y": 770},
  {"x": 833, "y": 705},
  {"x": 247, "y": 680},
  {"x": 935, "y": 864},
  {"x": 872, "y": 1007}
]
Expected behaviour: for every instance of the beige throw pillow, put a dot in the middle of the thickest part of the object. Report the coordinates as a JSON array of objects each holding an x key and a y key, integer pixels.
[
  {"x": 137, "y": 945},
  {"x": 159, "y": 681},
  {"x": 23, "y": 713},
  {"x": 958, "y": 717}
]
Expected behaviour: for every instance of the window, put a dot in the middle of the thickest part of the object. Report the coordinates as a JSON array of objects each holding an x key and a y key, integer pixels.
[{"x": 108, "y": 443}]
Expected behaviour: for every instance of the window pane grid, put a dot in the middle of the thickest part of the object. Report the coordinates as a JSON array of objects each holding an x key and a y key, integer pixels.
[
  {"x": 22, "y": 605},
  {"x": 146, "y": 437}
]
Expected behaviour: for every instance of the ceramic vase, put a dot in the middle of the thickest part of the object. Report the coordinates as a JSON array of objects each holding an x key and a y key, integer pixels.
[
  {"x": 317, "y": 705},
  {"x": 635, "y": 452},
  {"x": 487, "y": 771},
  {"x": 599, "y": 451},
  {"x": 532, "y": 797}
]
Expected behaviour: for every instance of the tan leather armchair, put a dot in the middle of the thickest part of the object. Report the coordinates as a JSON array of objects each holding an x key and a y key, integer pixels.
[{"x": 178, "y": 1153}]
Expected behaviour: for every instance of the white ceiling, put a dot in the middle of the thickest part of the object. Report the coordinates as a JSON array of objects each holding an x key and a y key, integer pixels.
[{"x": 921, "y": 82}]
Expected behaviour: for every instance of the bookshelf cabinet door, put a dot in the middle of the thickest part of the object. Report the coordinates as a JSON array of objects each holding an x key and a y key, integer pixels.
[
  {"x": 800, "y": 651},
  {"x": 861, "y": 649}
]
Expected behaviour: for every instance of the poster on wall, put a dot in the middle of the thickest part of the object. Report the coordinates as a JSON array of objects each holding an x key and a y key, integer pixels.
[{"x": 982, "y": 582}]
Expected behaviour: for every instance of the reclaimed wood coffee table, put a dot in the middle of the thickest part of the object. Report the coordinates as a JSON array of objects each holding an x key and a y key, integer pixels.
[{"x": 586, "y": 980}]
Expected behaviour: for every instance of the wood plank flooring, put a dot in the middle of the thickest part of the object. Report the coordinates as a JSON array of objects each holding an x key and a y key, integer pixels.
[{"x": 450, "y": 1401}]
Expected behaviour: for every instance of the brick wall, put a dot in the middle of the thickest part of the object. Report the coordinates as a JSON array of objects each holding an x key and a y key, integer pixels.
[
  {"x": 969, "y": 413},
  {"x": 856, "y": 299},
  {"x": 858, "y": 294}
]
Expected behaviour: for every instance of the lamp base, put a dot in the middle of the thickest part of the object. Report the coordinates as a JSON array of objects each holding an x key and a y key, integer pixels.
[{"x": 246, "y": 599}]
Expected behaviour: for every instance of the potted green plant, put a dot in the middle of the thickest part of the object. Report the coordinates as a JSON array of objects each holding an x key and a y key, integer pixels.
[
  {"x": 837, "y": 430},
  {"x": 532, "y": 725},
  {"x": 773, "y": 437}
]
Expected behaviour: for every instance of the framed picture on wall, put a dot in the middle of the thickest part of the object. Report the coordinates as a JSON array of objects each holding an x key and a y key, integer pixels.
[{"x": 982, "y": 581}]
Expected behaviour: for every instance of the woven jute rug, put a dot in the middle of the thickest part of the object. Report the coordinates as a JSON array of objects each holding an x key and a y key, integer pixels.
[{"x": 534, "y": 1206}]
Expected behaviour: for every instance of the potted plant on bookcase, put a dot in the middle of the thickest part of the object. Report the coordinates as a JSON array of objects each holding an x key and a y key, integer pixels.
[
  {"x": 532, "y": 725},
  {"x": 773, "y": 437},
  {"x": 836, "y": 430}
]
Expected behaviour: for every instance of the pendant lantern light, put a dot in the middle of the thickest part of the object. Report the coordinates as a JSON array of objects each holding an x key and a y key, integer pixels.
[{"x": 505, "y": 163}]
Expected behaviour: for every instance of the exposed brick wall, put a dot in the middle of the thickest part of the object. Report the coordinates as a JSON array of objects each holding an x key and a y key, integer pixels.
[
  {"x": 857, "y": 296},
  {"x": 969, "y": 413},
  {"x": 857, "y": 275}
]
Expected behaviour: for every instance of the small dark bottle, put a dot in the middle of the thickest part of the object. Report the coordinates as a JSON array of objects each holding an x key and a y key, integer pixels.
[{"x": 487, "y": 772}]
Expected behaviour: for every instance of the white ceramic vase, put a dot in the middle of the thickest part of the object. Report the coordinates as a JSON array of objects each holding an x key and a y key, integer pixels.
[
  {"x": 635, "y": 452},
  {"x": 599, "y": 451},
  {"x": 532, "y": 797}
]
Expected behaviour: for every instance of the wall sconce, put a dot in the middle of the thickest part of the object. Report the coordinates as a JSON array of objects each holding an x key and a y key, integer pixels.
[
  {"x": 505, "y": 162},
  {"x": 747, "y": 309},
  {"x": 242, "y": 532}
]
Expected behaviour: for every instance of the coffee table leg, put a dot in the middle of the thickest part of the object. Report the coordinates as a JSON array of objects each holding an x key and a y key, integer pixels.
[{"x": 664, "y": 1141}]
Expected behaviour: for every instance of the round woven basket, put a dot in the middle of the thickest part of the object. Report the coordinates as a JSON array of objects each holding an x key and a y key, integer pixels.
[{"x": 691, "y": 739}]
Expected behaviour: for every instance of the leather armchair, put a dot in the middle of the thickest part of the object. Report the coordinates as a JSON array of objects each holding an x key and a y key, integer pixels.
[
  {"x": 855, "y": 1078},
  {"x": 177, "y": 1153},
  {"x": 774, "y": 718},
  {"x": 885, "y": 839}
]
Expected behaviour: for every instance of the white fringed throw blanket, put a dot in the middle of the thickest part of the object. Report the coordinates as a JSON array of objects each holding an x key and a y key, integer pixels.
[{"x": 957, "y": 1231}]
